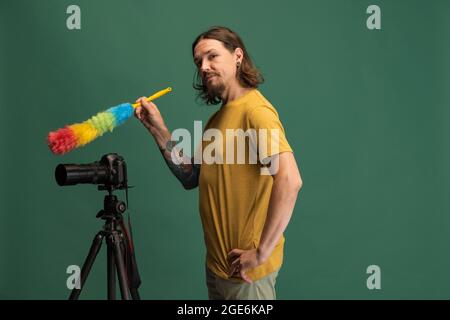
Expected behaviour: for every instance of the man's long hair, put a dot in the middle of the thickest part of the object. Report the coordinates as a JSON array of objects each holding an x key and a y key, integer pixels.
[{"x": 247, "y": 74}]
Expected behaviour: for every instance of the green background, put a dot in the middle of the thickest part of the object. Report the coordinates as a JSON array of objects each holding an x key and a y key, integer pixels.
[{"x": 366, "y": 111}]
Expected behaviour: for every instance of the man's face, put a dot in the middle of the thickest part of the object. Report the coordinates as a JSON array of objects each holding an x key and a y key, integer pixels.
[{"x": 216, "y": 65}]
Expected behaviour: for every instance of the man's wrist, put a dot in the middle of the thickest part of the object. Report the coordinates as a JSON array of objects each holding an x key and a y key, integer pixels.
[
  {"x": 161, "y": 136},
  {"x": 168, "y": 146},
  {"x": 263, "y": 253}
]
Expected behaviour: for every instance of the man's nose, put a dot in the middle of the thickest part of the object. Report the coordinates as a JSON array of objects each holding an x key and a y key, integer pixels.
[{"x": 205, "y": 67}]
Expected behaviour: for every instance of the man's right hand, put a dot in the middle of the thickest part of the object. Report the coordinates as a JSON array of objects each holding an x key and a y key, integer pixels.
[
  {"x": 151, "y": 118},
  {"x": 149, "y": 115}
]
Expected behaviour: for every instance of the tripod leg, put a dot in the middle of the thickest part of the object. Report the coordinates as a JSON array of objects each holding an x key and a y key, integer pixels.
[
  {"x": 132, "y": 272},
  {"x": 115, "y": 241},
  {"x": 95, "y": 248},
  {"x": 135, "y": 294},
  {"x": 111, "y": 271}
]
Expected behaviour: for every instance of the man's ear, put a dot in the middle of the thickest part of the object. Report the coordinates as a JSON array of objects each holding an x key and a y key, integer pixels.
[{"x": 239, "y": 54}]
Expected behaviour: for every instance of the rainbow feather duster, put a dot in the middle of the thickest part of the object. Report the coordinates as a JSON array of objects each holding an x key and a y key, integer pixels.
[{"x": 77, "y": 135}]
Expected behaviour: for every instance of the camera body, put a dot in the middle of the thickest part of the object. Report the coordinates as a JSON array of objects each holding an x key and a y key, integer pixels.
[
  {"x": 110, "y": 172},
  {"x": 117, "y": 169}
]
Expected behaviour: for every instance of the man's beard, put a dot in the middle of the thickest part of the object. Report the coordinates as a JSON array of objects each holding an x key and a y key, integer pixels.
[{"x": 215, "y": 90}]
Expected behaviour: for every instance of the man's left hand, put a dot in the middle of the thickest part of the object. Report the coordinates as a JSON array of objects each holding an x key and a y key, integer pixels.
[{"x": 242, "y": 260}]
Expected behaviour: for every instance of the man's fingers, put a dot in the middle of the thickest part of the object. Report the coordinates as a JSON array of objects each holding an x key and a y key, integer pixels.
[
  {"x": 233, "y": 264},
  {"x": 139, "y": 100},
  {"x": 245, "y": 277},
  {"x": 233, "y": 253},
  {"x": 151, "y": 106},
  {"x": 234, "y": 269},
  {"x": 137, "y": 112},
  {"x": 147, "y": 105},
  {"x": 142, "y": 101}
]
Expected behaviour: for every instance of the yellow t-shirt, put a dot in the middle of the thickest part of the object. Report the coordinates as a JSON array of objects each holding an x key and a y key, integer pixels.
[{"x": 234, "y": 197}]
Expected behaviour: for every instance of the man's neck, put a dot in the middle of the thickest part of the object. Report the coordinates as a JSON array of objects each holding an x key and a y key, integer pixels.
[{"x": 234, "y": 93}]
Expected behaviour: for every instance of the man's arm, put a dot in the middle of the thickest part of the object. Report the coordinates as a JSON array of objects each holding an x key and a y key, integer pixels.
[
  {"x": 286, "y": 185},
  {"x": 184, "y": 169}
]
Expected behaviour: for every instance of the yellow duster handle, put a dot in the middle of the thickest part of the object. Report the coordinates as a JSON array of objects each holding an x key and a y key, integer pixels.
[{"x": 155, "y": 96}]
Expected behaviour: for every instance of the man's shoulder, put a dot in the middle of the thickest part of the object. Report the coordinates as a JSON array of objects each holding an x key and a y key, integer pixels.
[
  {"x": 259, "y": 103},
  {"x": 260, "y": 98}
]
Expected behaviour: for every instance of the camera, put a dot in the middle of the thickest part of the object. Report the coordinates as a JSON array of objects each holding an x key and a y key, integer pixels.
[{"x": 110, "y": 171}]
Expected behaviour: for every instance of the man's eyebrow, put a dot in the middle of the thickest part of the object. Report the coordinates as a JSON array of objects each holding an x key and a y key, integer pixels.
[{"x": 196, "y": 58}]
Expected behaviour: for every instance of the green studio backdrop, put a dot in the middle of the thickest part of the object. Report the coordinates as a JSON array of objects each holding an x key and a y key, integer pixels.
[{"x": 366, "y": 112}]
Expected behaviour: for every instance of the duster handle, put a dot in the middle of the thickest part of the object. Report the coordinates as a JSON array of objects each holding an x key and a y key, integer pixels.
[{"x": 155, "y": 96}]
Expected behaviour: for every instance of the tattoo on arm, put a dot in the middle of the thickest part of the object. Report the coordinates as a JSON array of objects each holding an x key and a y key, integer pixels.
[{"x": 186, "y": 171}]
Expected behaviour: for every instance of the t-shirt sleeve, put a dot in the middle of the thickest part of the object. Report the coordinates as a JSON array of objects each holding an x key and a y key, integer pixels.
[{"x": 271, "y": 137}]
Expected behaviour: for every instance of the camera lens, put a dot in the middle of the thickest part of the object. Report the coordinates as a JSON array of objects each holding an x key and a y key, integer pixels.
[{"x": 71, "y": 174}]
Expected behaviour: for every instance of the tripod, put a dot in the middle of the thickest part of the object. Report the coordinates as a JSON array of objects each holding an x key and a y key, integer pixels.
[{"x": 118, "y": 248}]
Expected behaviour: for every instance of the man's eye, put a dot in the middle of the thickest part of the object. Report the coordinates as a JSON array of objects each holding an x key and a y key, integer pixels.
[{"x": 213, "y": 56}]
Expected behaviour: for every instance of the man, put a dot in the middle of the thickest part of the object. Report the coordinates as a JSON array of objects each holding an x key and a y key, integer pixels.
[{"x": 244, "y": 213}]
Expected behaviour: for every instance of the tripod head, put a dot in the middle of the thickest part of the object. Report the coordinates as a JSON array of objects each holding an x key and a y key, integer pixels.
[{"x": 113, "y": 208}]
